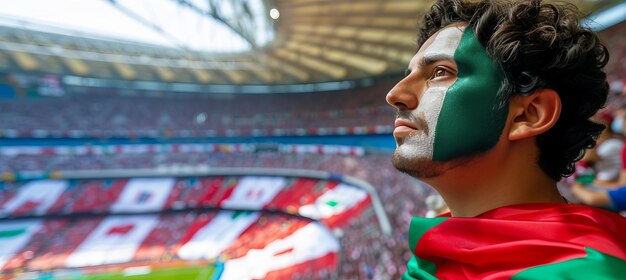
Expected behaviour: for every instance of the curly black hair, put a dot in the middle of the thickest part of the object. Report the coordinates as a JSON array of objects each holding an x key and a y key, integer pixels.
[{"x": 539, "y": 45}]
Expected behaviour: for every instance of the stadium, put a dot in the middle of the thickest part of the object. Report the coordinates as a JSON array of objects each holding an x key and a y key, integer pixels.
[{"x": 207, "y": 139}]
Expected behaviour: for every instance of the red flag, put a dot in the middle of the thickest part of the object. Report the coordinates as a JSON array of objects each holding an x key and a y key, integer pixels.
[{"x": 547, "y": 240}]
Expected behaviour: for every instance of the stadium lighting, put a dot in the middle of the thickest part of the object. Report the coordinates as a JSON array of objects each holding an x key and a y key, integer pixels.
[
  {"x": 274, "y": 14},
  {"x": 212, "y": 26}
]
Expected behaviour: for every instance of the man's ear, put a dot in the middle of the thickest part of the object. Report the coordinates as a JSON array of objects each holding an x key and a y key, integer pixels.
[{"x": 533, "y": 114}]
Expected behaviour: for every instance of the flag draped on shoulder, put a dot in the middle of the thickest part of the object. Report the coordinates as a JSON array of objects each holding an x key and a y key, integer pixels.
[
  {"x": 115, "y": 240},
  {"x": 530, "y": 241}
]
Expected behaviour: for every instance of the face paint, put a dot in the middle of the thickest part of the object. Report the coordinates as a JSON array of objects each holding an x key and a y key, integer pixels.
[
  {"x": 470, "y": 122},
  {"x": 429, "y": 108},
  {"x": 460, "y": 119}
]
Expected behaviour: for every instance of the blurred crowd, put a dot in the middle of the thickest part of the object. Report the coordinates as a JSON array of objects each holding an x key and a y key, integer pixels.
[
  {"x": 600, "y": 177},
  {"x": 58, "y": 238},
  {"x": 107, "y": 113},
  {"x": 366, "y": 253}
]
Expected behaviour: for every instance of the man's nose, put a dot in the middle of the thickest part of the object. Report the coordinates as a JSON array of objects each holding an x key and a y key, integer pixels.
[{"x": 403, "y": 96}]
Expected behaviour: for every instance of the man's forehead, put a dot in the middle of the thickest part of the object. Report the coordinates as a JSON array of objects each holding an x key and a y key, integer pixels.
[{"x": 441, "y": 45}]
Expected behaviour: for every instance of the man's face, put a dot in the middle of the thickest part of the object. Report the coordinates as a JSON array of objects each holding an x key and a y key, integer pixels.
[{"x": 446, "y": 104}]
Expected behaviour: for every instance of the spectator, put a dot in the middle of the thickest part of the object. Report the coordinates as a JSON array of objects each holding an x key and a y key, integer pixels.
[
  {"x": 613, "y": 199},
  {"x": 494, "y": 110}
]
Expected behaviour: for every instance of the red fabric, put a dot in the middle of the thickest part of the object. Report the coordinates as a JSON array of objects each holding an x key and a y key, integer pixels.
[{"x": 504, "y": 241}]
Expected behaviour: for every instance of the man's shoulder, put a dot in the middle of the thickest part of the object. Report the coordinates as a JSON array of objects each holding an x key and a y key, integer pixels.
[
  {"x": 580, "y": 224},
  {"x": 519, "y": 237},
  {"x": 551, "y": 212}
]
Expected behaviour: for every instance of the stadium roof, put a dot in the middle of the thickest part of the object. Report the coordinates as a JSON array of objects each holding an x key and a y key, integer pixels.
[{"x": 240, "y": 42}]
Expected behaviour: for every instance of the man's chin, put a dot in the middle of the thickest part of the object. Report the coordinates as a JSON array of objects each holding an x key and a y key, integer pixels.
[{"x": 418, "y": 167}]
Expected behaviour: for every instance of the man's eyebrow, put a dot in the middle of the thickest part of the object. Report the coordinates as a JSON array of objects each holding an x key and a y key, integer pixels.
[{"x": 430, "y": 58}]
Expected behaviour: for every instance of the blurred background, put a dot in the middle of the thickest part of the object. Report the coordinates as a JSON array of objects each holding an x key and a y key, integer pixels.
[{"x": 213, "y": 139}]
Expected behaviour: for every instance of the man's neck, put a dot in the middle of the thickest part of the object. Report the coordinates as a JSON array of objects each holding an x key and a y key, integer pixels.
[
  {"x": 494, "y": 180},
  {"x": 474, "y": 203}
]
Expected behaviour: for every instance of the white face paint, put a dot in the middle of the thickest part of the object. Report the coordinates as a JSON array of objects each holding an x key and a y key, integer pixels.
[{"x": 421, "y": 144}]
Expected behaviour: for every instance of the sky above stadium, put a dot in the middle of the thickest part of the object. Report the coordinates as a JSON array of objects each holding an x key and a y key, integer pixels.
[{"x": 130, "y": 20}]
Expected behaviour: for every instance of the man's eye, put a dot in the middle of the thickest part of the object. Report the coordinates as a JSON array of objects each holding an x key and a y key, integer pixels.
[{"x": 440, "y": 72}]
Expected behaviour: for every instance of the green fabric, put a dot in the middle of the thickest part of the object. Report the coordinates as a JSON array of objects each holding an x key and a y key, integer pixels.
[
  {"x": 419, "y": 226},
  {"x": 595, "y": 265},
  {"x": 12, "y": 233},
  {"x": 469, "y": 121},
  {"x": 418, "y": 268}
]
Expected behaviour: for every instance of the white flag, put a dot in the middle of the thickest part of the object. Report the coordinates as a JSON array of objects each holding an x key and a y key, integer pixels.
[
  {"x": 334, "y": 202},
  {"x": 217, "y": 235},
  {"x": 115, "y": 240},
  {"x": 253, "y": 193},
  {"x": 144, "y": 195},
  {"x": 36, "y": 195},
  {"x": 14, "y": 235},
  {"x": 308, "y": 243}
]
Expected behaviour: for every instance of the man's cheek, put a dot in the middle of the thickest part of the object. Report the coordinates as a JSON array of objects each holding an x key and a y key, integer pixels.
[
  {"x": 428, "y": 116},
  {"x": 469, "y": 122}
]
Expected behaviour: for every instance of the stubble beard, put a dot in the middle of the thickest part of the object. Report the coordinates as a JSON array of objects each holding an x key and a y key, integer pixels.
[
  {"x": 413, "y": 154},
  {"x": 417, "y": 167},
  {"x": 409, "y": 158},
  {"x": 421, "y": 167}
]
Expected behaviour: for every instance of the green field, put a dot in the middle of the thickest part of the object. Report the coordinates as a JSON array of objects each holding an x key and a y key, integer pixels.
[
  {"x": 187, "y": 273},
  {"x": 205, "y": 272}
]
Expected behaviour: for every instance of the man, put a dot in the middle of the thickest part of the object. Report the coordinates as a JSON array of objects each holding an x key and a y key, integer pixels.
[{"x": 493, "y": 111}]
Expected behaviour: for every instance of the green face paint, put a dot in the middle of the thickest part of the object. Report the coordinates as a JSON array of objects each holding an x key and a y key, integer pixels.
[
  {"x": 451, "y": 119},
  {"x": 469, "y": 121}
]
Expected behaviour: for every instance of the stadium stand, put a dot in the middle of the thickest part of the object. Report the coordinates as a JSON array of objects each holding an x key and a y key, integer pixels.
[
  {"x": 401, "y": 195},
  {"x": 97, "y": 241},
  {"x": 176, "y": 115},
  {"x": 64, "y": 114}
]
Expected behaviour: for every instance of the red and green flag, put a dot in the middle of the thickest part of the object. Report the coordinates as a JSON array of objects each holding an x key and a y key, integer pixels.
[{"x": 530, "y": 241}]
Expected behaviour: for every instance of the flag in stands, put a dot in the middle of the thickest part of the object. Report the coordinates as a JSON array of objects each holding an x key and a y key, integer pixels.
[
  {"x": 334, "y": 202},
  {"x": 144, "y": 195},
  {"x": 308, "y": 243},
  {"x": 115, "y": 240},
  {"x": 34, "y": 197},
  {"x": 209, "y": 241},
  {"x": 14, "y": 235},
  {"x": 254, "y": 192}
]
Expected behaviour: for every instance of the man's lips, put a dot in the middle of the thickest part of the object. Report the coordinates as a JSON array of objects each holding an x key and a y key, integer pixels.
[
  {"x": 400, "y": 122},
  {"x": 403, "y": 128}
]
